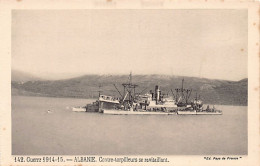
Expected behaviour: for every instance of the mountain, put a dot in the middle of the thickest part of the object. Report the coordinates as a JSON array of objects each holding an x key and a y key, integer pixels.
[
  {"x": 20, "y": 76},
  {"x": 211, "y": 91}
]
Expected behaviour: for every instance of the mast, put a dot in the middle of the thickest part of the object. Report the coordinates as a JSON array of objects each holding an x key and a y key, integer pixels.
[
  {"x": 182, "y": 95},
  {"x": 182, "y": 82},
  {"x": 129, "y": 89},
  {"x": 130, "y": 78},
  {"x": 99, "y": 90}
]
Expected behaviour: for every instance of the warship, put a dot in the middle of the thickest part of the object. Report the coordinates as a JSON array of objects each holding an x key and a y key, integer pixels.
[{"x": 152, "y": 103}]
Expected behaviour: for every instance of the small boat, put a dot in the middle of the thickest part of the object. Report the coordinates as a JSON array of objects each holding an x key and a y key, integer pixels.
[
  {"x": 49, "y": 111},
  {"x": 108, "y": 99},
  {"x": 79, "y": 109}
]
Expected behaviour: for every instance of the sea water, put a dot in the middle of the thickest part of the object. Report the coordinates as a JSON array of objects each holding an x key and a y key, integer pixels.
[{"x": 48, "y": 126}]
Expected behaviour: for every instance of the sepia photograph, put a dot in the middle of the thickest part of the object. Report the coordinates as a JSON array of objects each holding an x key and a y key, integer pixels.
[{"x": 129, "y": 82}]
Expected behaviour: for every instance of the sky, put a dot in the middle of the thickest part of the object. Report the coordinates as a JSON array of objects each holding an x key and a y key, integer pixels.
[{"x": 56, "y": 44}]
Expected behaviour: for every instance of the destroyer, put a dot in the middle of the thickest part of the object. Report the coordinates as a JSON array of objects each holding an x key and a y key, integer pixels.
[{"x": 130, "y": 102}]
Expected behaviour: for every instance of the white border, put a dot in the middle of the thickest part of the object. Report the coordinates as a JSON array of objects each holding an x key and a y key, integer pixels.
[{"x": 253, "y": 68}]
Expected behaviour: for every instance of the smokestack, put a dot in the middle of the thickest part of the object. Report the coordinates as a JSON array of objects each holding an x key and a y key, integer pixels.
[{"x": 157, "y": 93}]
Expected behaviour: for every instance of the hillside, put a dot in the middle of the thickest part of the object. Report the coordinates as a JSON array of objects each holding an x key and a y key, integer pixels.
[
  {"x": 211, "y": 91},
  {"x": 20, "y": 76}
]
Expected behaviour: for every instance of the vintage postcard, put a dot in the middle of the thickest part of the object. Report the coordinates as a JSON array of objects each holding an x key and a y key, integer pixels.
[{"x": 129, "y": 82}]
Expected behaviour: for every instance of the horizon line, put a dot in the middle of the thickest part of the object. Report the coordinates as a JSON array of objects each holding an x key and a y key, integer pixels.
[{"x": 110, "y": 74}]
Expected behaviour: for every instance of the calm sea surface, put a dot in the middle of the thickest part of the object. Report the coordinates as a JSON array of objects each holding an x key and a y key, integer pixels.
[{"x": 63, "y": 132}]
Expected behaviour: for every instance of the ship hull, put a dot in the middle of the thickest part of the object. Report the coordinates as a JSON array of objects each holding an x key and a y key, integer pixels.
[
  {"x": 122, "y": 112},
  {"x": 186, "y": 112},
  {"x": 198, "y": 113},
  {"x": 209, "y": 113}
]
